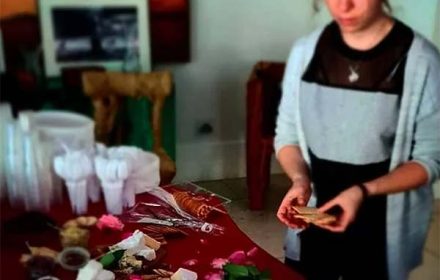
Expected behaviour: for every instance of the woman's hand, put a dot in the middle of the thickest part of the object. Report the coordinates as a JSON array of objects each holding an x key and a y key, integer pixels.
[
  {"x": 349, "y": 201},
  {"x": 298, "y": 195}
]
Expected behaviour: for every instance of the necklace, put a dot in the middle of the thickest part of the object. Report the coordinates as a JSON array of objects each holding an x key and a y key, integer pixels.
[{"x": 354, "y": 75}]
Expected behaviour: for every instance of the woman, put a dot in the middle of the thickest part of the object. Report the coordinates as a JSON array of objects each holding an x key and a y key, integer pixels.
[{"x": 358, "y": 132}]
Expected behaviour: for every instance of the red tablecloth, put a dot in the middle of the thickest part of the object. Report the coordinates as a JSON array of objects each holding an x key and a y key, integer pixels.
[{"x": 200, "y": 246}]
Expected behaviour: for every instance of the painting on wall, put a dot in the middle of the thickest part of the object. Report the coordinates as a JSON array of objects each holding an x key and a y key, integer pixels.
[{"x": 110, "y": 33}]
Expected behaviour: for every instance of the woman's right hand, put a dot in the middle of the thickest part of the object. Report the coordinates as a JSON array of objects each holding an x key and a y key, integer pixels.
[{"x": 298, "y": 195}]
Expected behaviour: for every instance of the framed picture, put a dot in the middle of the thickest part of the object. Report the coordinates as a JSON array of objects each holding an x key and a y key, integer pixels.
[{"x": 110, "y": 33}]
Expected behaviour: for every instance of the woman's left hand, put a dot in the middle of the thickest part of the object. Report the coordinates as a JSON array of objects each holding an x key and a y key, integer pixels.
[{"x": 349, "y": 201}]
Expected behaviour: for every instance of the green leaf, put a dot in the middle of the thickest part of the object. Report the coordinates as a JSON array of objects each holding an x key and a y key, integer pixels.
[
  {"x": 111, "y": 258},
  {"x": 265, "y": 275},
  {"x": 236, "y": 271},
  {"x": 253, "y": 271},
  {"x": 107, "y": 260}
]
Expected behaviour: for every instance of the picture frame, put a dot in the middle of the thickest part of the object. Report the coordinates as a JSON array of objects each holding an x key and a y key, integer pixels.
[{"x": 109, "y": 33}]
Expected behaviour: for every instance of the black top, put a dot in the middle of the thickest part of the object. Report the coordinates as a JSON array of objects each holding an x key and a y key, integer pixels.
[{"x": 380, "y": 68}]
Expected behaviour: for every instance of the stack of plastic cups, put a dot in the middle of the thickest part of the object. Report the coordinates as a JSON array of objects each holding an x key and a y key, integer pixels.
[
  {"x": 75, "y": 168},
  {"x": 113, "y": 194},
  {"x": 34, "y": 193},
  {"x": 14, "y": 163},
  {"x": 126, "y": 157},
  {"x": 5, "y": 117},
  {"x": 112, "y": 174},
  {"x": 78, "y": 196},
  {"x": 57, "y": 129}
]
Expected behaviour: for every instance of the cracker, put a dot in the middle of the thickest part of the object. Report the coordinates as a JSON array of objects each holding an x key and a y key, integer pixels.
[
  {"x": 317, "y": 218},
  {"x": 305, "y": 210}
]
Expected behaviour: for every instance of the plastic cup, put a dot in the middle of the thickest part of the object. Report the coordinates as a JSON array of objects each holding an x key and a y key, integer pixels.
[
  {"x": 78, "y": 196},
  {"x": 73, "y": 258},
  {"x": 129, "y": 195},
  {"x": 93, "y": 189},
  {"x": 113, "y": 196}
]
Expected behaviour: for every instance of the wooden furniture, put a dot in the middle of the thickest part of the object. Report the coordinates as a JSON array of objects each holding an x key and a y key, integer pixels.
[
  {"x": 107, "y": 90},
  {"x": 197, "y": 245},
  {"x": 262, "y": 100}
]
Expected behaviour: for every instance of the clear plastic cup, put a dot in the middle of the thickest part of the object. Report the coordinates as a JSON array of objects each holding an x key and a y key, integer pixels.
[
  {"x": 113, "y": 196},
  {"x": 93, "y": 189},
  {"x": 73, "y": 258},
  {"x": 129, "y": 195},
  {"x": 78, "y": 196}
]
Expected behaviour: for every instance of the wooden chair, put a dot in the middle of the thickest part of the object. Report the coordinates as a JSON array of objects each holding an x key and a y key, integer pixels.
[
  {"x": 262, "y": 100},
  {"x": 107, "y": 90}
]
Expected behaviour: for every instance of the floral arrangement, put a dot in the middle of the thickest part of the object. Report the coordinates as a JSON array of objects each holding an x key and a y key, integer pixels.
[{"x": 238, "y": 266}]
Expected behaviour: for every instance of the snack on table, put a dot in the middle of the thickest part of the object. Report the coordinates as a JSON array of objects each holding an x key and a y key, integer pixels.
[
  {"x": 151, "y": 242},
  {"x": 43, "y": 252},
  {"x": 82, "y": 221},
  {"x": 129, "y": 264},
  {"x": 164, "y": 230},
  {"x": 192, "y": 206},
  {"x": 74, "y": 236}
]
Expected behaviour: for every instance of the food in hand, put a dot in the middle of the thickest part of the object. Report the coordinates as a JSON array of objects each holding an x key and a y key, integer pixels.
[{"x": 311, "y": 215}]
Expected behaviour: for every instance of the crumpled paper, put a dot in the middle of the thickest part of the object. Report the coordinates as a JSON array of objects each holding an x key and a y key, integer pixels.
[
  {"x": 135, "y": 245},
  {"x": 94, "y": 271}
]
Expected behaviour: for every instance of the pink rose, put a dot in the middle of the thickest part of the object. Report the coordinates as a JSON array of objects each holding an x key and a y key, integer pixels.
[
  {"x": 238, "y": 257},
  {"x": 109, "y": 221},
  {"x": 218, "y": 263},
  {"x": 214, "y": 276},
  {"x": 252, "y": 252}
]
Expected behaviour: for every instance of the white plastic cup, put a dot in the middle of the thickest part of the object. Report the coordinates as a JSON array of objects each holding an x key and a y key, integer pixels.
[
  {"x": 93, "y": 189},
  {"x": 129, "y": 195},
  {"x": 113, "y": 196},
  {"x": 78, "y": 196}
]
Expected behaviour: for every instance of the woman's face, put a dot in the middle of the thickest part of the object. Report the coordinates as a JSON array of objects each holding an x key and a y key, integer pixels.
[{"x": 355, "y": 15}]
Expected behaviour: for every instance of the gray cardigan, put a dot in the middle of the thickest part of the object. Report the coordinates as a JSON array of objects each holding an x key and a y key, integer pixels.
[{"x": 417, "y": 139}]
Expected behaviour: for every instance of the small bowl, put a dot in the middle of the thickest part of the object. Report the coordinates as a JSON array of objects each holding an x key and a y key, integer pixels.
[{"x": 73, "y": 258}]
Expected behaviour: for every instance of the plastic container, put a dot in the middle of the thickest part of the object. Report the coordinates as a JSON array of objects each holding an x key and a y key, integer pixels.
[
  {"x": 73, "y": 258},
  {"x": 57, "y": 131},
  {"x": 65, "y": 128}
]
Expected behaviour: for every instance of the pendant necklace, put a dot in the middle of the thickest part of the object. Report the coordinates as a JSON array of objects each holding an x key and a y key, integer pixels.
[{"x": 354, "y": 75}]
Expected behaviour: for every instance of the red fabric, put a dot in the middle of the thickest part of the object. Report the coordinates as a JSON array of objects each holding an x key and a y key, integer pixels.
[{"x": 200, "y": 246}]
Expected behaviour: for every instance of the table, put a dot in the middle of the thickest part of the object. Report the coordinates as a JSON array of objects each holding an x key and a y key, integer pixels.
[{"x": 199, "y": 246}]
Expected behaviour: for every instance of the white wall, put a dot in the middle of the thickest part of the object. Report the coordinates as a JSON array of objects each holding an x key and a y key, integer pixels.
[{"x": 227, "y": 38}]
